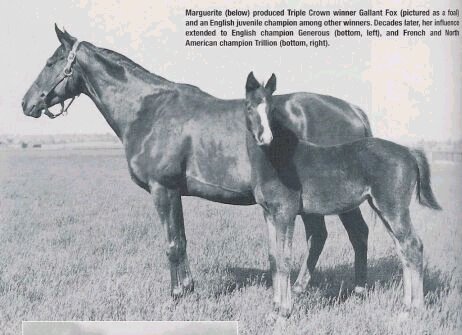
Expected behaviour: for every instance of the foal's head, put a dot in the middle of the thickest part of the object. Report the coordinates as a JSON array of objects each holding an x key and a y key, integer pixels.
[
  {"x": 49, "y": 88},
  {"x": 258, "y": 108}
]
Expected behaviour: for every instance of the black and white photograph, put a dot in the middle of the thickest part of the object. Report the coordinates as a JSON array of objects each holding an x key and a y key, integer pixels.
[{"x": 230, "y": 167}]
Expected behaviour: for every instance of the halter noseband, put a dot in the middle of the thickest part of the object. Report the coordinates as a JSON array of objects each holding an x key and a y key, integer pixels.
[{"x": 65, "y": 74}]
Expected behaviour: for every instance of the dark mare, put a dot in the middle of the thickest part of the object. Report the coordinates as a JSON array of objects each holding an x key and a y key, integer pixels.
[
  {"x": 181, "y": 141},
  {"x": 291, "y": 176}
]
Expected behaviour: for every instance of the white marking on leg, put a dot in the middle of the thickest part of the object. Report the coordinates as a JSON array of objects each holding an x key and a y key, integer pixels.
[
  {"x": 417, "y": 288},
  {"x": 287, "y": 260},
  {"x": 272, "y": 253},
  {"x": 360, "y": 290},
  {"x": 302, "y": 279},
  {"x": 267, "y": 135}
]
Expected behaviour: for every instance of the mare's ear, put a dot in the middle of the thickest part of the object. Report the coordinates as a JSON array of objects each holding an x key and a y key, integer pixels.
[
  {"x": 271, "y": 84},
  {"x": 65, "y": 38},
  {"x": 251, "y": 83}
]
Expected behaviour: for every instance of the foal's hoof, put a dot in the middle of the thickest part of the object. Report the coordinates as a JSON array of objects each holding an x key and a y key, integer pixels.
[
  {"x": 302, "y": 284},
  {"x": 180, "y": 291},
  {"x": 360, "y": 291},
  {"x": 188, "y": 284},
  {"x": 298, "y": 289}
]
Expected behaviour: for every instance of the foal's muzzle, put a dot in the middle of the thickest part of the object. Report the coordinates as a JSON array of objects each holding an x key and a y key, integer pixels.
[{"x": 264, "y": 140}]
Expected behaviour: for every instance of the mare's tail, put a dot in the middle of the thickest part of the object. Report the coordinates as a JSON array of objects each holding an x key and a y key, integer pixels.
[{"x": 424, "y": 190}]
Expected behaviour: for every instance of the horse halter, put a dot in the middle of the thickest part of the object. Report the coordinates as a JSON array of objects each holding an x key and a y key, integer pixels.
[{"x": 65, "y": 74}]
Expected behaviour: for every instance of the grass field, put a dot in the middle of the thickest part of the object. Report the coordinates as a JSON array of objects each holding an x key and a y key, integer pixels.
[{"x": 78, "y": 242}]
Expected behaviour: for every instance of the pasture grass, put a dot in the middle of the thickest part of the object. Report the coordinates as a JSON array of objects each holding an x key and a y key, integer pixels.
[{"x": 78, "y": 241}]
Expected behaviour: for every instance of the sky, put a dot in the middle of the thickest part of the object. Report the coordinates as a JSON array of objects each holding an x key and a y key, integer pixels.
[{"x": 409, "y": 88}]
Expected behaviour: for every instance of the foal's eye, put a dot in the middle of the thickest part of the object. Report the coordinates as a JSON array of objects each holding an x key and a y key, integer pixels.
[{"x": 49, "y": 63}]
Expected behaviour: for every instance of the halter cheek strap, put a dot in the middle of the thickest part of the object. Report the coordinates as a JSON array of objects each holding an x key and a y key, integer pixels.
[{"x": 65, "y": 74}]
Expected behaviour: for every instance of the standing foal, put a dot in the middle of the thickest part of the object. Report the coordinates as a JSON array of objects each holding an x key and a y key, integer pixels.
[{"x": 291, "y": 177}]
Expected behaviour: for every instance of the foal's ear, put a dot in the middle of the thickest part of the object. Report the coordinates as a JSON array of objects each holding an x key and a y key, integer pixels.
[
  {"x": 64, "y": 37},
  {"x": 271, "y": 84},
  {"x": 252, "y": 83}
]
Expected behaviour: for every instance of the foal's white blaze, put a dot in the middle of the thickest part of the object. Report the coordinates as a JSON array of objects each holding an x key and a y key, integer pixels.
[{"x": 267, "y": 135}]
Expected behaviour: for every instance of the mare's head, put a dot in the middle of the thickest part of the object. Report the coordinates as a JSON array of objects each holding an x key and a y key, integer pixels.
[
  {"x": 58, "y": 80},
  {"x": 258, "y": 109}
]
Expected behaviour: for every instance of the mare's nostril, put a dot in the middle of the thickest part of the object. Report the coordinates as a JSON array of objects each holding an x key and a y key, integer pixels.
[{"x": 23, "y": 103}]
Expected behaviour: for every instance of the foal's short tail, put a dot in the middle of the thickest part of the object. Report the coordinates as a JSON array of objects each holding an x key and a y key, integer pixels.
[{"x": 424, "y": 189}]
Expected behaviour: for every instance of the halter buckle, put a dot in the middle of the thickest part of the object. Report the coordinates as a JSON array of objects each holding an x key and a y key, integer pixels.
[
  {"x": 71, "y": 56},
  {"x": 68, "y": 72}
]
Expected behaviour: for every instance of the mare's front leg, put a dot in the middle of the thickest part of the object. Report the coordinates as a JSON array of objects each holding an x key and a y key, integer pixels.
[
  {"x": 280, "y": 233},
  {"x": 170, "y": 213}
]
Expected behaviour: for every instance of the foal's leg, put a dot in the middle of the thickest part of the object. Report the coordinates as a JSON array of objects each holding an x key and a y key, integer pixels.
[
  {"x": 358, "y": 233},
  {"x": 280, "y": 233},
  {"x": 410, "y": 250},
  {"x": 170, "y": 213},
  {"x": 315, "y": 227}
]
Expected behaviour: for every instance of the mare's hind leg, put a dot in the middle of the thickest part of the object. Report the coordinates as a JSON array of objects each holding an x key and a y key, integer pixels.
[
  {"x": 315, "y": 228},
  {"x": 170, "y": 213},
  {"x": 358, "y": 233},
  {"x": 410, "y": 250}
]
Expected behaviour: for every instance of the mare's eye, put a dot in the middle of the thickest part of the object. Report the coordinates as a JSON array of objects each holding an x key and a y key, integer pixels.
[{"x": 49, "y": 63}]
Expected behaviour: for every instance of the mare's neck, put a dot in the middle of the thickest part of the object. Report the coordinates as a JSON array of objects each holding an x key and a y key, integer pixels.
[{"x": 117, "y": 85}]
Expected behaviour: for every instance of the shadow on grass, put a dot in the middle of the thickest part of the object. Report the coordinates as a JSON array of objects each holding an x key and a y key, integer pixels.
[{"x": 337, "y": 283}]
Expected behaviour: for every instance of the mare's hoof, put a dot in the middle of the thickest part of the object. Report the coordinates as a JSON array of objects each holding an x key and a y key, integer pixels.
[
  {"x": 403, "y": 316},
  {"x": 278, "y": 315},
  {"x": 271, "y": 317},
  {"x": 410, "y": 312},
  {"x": 280, "y": 311},
  {"x": 285, "y": 312},
  {"x": 280, "y": 326}
]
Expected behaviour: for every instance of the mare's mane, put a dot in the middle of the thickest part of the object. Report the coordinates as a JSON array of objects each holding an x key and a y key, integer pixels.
[{"x": 134, "y": 67}]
